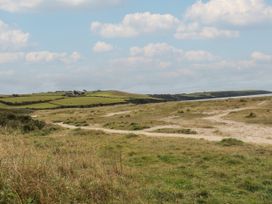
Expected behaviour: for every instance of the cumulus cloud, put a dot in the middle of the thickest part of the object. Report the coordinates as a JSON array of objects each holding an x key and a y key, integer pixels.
[
  {"x": 18, "y": 5},
  {"x": 164, "y": 50},
  {"x": 195, "y": 31},
  {"x": 7, "y": 57},
  {"x": 24, "y": 5},
  {"x": 136, "y": 24},
  {"x": 12, "y": 37},
  {"x": 162, "y": 56},
  {"x": 155, "y": 50},
  {"x": 46, "y": 56},
  {"x": 236, "y": 12},
  {"x": 100, "y": 47},
  {"x": 260, "y": 56},
  {"x": 199, "y": 55},
  {"x": 38, "y": 57}
]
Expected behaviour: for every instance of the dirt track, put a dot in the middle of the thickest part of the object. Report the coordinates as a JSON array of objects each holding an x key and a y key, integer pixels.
[{"x": 250, "y": 133}]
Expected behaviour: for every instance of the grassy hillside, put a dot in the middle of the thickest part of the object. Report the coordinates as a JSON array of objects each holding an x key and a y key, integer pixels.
[
  {"x": 54, "y": 100},
  {"x": 207, "y": 95},
  {"x": 29, "y": 99}
]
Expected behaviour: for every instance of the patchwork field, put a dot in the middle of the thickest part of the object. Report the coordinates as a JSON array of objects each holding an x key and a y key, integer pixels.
[
  {"x": 170, "y": 152},
  {"x": 56, "y": 100}
]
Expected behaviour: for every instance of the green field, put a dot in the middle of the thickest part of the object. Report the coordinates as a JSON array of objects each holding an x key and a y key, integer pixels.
[
  {"x": 118, "y": 94},
  {"x": 85, "y": 101},
  {"x": 61, "y": 99},
  {"x": 28, "y": 99},
  {"x": 54, "y": 100}
]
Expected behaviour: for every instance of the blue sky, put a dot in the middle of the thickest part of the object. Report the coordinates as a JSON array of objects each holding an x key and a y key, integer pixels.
[{"x": 153, "y": 46}]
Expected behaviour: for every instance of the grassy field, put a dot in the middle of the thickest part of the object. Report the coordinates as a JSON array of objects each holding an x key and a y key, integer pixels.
[
  {"x": 54, "y": 100},
  {"x": 118, "y": 94},
  {"x": 43, "y": 163},
  {"x": 150, "y": 115},
  {"x": 254, "y": 116},
  {"x": 85, "y": 101},
  {"x": 28, "y": 99},
  {"x": 60, "y": 99},
  {"x": 79, "y": 166}
]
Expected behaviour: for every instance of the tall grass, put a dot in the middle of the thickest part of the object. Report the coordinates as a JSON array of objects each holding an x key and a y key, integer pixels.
[{"x": 90, "y": 167}]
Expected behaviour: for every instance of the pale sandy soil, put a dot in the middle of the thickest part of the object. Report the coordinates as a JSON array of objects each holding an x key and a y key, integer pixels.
[
  {"x": 221, "y": 128},
  {"x": 117, "y": 113}
]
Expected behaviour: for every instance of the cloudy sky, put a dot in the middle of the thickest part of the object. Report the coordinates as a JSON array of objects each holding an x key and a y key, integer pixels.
[{"x": 153, "y": 46}]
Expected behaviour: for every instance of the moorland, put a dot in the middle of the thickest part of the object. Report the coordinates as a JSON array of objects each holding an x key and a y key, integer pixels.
[{"x": 116, "y": 147}]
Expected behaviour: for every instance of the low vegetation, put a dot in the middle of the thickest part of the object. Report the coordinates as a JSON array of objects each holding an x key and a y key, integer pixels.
[
  {"x": 178, "y": 131},
  {"x": 43, "y": 164},
  {"x": 80, "y": 166},
  {"x": 126, "y": 126},
  {"x": 263, "y": 116},
  {"x": 208, "y": 95},
  {"x": 19, "y": 121},
  {"x": 79, "y": 99},
  {"x": 231, "y": 142}
]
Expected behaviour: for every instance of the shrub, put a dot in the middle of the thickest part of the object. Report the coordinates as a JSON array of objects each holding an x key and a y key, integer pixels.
[
  {"x": 231, "y": 142},
  {"x": 187, "y": 131},
  {"x": 18, "y": 121},
  {"x": 251, "y": 115}
]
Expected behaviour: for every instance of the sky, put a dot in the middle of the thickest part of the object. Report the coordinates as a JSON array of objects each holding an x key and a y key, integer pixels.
[{"x": 153, "y": 46}]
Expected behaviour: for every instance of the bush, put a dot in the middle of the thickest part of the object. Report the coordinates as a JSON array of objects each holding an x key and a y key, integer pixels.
[
  {"x": 187, "y": 131},
  {"x": 18, "y": 121},
  {"x": 251, "y": 115},
  {"x": 231, "y": 142}
]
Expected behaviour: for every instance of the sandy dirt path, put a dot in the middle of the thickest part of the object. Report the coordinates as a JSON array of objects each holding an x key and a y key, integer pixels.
[
  {"x": 142, "y": 132},
  {"x": 246, "y": 132},
  {"x": 117, "y": 113},
  {"x": 252, "y": 133}
]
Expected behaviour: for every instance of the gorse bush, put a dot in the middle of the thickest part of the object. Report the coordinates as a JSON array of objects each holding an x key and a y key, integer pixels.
[
  {"x": 19, "y": 121},
  {"x": 231, "y": 142}
]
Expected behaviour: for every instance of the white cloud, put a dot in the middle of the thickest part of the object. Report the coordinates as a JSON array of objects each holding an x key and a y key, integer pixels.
[
  {"x": 7, "y": 57},
  {"x": 18, "y": 5},
  {"x": 162, "y": 56},
  {"x": 12, "y": 37},
  {"x": 236, "y": 12},
  {"x": 259, "y": 56},
  {"x": 195, "y": 31},
  {"x": 46, "y": 56},
  {"x": 164, "y": 50},
  {"x": 102, "y": 47},
  {"x": 24, "y": 5},
  {"x": 199, "y": 55},
  {"x": 38, "y": 57},
  {"x": 75, "y": 56},
  {"x": 85, "y": 3},
  {"x": 155, "y": 50},
  {"x": 136, "y": 24}
]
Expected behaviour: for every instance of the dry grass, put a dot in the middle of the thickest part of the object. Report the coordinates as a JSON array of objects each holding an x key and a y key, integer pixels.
[
  {"x": 91, "y": 167},
  {"x": 77, "y": 166}
]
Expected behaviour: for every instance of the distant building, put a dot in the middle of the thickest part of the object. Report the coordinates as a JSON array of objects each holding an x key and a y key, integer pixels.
[{"x": 75, "y": 93}]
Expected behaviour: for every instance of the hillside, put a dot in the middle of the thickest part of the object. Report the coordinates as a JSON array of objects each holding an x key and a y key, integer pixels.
[
  {"x": 207, "y": 95},
  {"x": 71, "y": 99},
  {"x": 85, "y": 99}
]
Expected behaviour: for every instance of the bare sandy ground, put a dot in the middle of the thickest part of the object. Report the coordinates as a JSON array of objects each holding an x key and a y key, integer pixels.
[
  {"x": 117, "y": 113},
  {"x": 141, "y": 132},
  {"x": 250, "y": 133}
]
